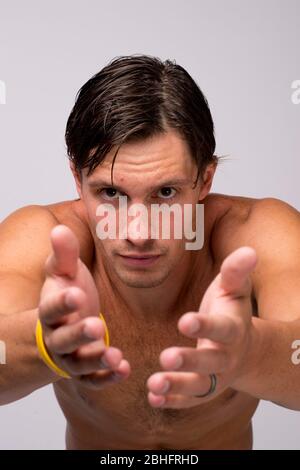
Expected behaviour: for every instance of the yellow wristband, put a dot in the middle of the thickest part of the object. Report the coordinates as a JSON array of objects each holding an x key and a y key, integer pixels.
[{"x": 45, "y": 355}]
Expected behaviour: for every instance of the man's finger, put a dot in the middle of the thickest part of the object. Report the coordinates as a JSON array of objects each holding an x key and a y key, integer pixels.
[
  {"x": 101, "y": 379},
  {"x": 235, "y": 270},
  {"x": 63, "y": 260},
  {"x": 75, "y": 364},
  {"x": 54, "y": 306},
  {"x": 68, "y": 338},
  {"x": 204, "y": 359},
  {"x": 220, "y": 328}
]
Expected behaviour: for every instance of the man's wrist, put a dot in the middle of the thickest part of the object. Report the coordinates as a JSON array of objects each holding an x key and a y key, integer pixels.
[{"x": 250, "y": 369}]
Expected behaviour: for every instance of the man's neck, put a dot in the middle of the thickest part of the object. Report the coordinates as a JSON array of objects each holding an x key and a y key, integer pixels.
[{"x": 161, "y": 302}]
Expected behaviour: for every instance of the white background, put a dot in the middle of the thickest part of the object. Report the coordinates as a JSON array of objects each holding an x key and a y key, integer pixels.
[{"x": 244, "y": 55}]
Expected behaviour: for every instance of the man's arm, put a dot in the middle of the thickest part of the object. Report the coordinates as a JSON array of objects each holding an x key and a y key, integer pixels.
[
  {"x": 249, "y": 354},
  {"x": 24, "y": 246},
  {"x": 273, "y": 229},
  {"x": 42, "y": 276}
]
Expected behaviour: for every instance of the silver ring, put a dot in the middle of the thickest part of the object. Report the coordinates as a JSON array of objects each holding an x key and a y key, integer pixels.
[{"x": 213, "y": 385}]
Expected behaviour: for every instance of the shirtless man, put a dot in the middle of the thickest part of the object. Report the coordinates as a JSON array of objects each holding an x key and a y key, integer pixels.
[{"x": 241, "y": 289}]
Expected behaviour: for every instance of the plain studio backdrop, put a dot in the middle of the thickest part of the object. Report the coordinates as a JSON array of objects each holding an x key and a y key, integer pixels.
[{"x": 244, "y": 55}]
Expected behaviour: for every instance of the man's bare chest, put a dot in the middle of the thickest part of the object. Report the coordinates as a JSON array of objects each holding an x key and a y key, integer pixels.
[{"x": 142, "y": 342}]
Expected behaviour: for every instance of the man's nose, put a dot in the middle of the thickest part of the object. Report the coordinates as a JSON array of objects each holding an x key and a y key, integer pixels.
[
  {"x": 136, "y": 227},
  {"x": 138, "y": 232}
]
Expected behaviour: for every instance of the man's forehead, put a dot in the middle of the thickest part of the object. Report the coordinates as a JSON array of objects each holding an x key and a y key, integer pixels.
[
  {"x": 122, "y": 183},
  {"x": 157, "y": 158},
  {"x": 102, "y": 176}
]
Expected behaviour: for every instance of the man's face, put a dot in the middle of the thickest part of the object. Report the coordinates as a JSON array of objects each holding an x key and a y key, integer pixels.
[{"x": 154, "y": 171}]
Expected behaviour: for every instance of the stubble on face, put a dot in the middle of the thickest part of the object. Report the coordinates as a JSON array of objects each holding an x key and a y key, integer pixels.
[{"x": 137, "y": 167}]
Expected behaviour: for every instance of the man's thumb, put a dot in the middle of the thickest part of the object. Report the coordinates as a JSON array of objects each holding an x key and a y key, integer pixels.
[
  {"x": 63, "y": 260},
  {"x": 235, "y": 271}
]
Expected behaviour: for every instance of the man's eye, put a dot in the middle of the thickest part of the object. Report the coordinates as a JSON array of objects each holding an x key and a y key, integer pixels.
[
  {"x": 166, "y": 192},
  {"x": 109, "y": 193}
]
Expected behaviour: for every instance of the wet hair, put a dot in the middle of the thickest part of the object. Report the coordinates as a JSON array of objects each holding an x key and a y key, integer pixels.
[{"x": 134, "y": 98}]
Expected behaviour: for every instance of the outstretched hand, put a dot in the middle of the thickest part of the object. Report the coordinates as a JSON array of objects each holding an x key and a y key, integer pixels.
[{"x": 223, "y": 330}]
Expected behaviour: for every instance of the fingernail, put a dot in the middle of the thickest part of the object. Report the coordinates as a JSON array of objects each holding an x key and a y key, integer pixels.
[
  {"x": 88, "y": 332},
  {"x": 104, "y": 363},
  {"x": 166, "y": 386},
  {"x": 194, "y": 326},
  {"x": 178, "y": 362},
  {"x": 70, "y": 301},
  {"x": 161, "y": 402}
]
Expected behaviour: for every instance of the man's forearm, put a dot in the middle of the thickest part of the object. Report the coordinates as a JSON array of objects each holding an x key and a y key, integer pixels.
[
  {"x": 269, "y": 372},
  {"x": 23, "y": 370}
]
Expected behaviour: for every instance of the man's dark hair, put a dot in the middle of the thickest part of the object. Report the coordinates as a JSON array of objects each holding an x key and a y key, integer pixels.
[{"x": 135, "y": 97}]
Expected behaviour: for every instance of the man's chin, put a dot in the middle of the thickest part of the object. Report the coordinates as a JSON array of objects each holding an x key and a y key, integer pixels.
[{"x": 142, "y": 280}]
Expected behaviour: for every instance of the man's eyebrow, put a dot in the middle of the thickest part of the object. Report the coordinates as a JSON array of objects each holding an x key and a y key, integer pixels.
[{"x": 173, "y": 182}]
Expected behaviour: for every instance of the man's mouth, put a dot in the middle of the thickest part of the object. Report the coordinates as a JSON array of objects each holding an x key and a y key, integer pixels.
[{"x": 140, "y": 260}]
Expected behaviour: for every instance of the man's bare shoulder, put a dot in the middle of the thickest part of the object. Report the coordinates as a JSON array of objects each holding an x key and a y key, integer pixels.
[
  {"x": 73, "y": 214},
  {"x": 25, "y": 236},
  {"x": 25, "y": 241},
  {"x": 230, "y": 214},
  {"x": 244, "y": 221}
]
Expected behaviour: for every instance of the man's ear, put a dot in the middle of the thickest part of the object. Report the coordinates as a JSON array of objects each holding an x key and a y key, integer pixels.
[
  {"x": 78, "y": 178},
  {"x": 207, "y": 180}
]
